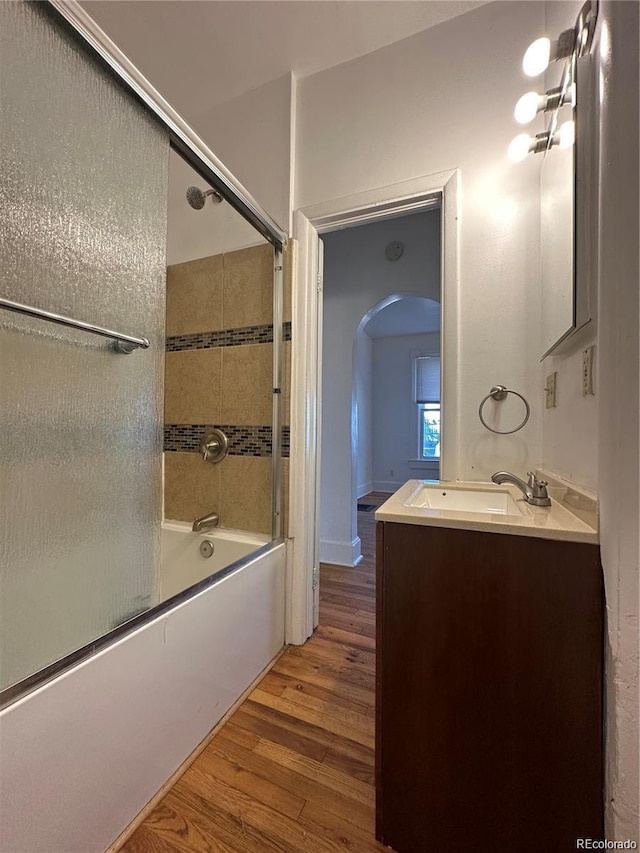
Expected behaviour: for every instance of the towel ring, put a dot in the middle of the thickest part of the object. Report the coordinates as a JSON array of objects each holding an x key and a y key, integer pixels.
[{"x": 499, "y": 393}]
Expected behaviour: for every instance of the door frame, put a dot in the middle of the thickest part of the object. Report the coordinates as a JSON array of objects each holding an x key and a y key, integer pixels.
[{"x": 306, "y": 363}]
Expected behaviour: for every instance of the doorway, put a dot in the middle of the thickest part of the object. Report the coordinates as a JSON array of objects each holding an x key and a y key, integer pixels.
[
  {"x": 385, "y": 203},
  {"x": 381, "y": 323}
]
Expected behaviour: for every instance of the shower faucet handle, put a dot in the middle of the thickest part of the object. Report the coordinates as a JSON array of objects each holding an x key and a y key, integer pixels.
[
  {"x": 209, "y": 447},
  {"x": 214, "y": 446}
]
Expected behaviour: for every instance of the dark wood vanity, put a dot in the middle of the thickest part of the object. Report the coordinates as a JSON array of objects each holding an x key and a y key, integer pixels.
[{"x": 489, "y": 691}]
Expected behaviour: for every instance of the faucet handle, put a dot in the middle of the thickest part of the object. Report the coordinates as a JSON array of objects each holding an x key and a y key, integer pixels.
[
  {"x": 539, "y": 487},
  {"x": 214, "y": 446}
]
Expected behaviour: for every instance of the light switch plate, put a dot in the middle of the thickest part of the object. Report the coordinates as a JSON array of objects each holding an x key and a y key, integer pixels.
[
  {"x": 550, "y": 389},
  {"x": 587, "y": 371}
]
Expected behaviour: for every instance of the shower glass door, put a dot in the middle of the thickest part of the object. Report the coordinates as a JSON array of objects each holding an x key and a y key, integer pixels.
[{"x": 83, "y": 228}]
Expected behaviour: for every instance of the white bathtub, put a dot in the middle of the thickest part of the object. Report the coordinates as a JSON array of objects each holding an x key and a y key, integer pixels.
[
  {"x": 117, "y": 726},
  {"x": 181, "y": 563}
]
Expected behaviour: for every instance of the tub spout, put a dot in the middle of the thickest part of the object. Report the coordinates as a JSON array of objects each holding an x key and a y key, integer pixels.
[{"x": 206, "y": 522}]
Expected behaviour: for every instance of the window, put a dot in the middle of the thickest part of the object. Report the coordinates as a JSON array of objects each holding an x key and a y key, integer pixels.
[{"x": 427, "y": 398}]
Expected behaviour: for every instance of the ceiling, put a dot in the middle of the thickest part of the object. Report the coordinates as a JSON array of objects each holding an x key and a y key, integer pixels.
[
  {"x": 411, "y": 315},
  {"x": 232, "y": 46}
]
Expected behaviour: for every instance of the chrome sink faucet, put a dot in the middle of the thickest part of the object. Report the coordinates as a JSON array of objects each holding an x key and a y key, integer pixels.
[
  {"x": 206, "y": 522},
  {"x": 535, "y": 491}
]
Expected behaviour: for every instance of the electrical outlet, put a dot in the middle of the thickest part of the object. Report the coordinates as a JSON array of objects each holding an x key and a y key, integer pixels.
[
  {"x": 550, "y": 388},
  {"x": 587, "y": 371}
]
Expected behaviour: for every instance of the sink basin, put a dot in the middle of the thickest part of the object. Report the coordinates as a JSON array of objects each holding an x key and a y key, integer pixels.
[{"x": 486, "y": 501}]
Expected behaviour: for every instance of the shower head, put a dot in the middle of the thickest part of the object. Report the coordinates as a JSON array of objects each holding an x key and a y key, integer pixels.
[{"x": 196, "y": 197}]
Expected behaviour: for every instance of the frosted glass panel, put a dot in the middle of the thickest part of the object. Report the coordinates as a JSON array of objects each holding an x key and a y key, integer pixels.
[{"x": 82, "y": 233}]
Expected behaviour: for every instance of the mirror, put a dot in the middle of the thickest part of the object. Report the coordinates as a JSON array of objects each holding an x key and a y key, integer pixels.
[
  {"x": 557, "y": 182},
  {"x": 566, "y": 184}
]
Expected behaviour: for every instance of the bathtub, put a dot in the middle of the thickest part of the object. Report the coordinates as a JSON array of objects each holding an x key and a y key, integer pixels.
[
  {"x": 131, "y": 714},
  {"x": 181, "y": 563}
]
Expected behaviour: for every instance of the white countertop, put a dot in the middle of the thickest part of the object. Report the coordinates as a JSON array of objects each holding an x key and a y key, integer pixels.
[{"x": 554, "y": 522}]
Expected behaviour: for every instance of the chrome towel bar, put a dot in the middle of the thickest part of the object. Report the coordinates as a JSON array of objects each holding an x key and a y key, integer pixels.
[{"x": 124, "y": 343}]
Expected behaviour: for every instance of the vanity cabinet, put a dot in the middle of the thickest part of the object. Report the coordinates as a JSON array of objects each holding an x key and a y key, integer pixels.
[{"x": 489, "y": 691}]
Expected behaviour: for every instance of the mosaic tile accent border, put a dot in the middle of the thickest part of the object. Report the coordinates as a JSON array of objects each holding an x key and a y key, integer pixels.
[
  {"x": 243, "y": 440},
  {"x": 227, "y": 338}
]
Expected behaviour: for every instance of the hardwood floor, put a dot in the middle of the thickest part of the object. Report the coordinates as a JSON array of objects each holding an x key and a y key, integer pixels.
[{"x": 292, "y": 770}]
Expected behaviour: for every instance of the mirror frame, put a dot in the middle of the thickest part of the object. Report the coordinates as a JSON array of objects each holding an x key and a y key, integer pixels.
[{"x": 585, "y": 181}]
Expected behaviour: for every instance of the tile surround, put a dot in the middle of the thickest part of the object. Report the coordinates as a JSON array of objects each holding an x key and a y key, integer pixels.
[
  {"x": 219, "y": 372},
  {"x": 248, "y": 440},
  {"x": 193, "y": 383},
  {"x": 247, "y": 297},
  {"x": 194, "y": 296},
  {"x": 247, "y": 384},
  {"x": 227, "y": 338},
  {"x": 191, "y": 487},
  {"x": 245, "y": 494}
]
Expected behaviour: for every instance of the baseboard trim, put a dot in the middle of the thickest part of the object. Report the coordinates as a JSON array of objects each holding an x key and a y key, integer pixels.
[
  {"x": 363, "y": 490},
  {"x": 387, "y": 485},
  {"x": 142, "y": 815},
  {"x": 341, "y": 553}
]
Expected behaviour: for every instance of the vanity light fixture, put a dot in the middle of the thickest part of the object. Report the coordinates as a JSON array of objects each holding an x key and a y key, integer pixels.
[
  {"x": 524, "y": 144},
  {"x": 570, "y": 45},
  {"x": 532, "y": 103},
  {"x": 566, "y": 135},
  {"x": 543, "y": 51}
]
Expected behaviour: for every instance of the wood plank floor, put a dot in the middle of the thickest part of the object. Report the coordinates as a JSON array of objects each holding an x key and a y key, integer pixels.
[{"x": 292, "y": 770}]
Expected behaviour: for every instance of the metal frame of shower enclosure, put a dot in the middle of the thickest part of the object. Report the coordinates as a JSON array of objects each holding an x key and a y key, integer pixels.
[
  {"x": 183, "y": 138},
  {"x": 200, "y": 157}
]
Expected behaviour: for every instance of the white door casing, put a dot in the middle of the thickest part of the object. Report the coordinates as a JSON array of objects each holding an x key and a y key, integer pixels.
[{"x": 306, "y": 361}]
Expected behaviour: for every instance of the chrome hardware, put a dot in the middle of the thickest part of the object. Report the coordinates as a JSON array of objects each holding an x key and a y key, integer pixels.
[
  {"x": 206, "y": 522},
  {"x": 206, "y": 548},
  {"x": 499, "y": 393},
  {"x": 535, "y": 491},
  {"x": 214, "y": 446},
  {"x": 123, "y": 343}
]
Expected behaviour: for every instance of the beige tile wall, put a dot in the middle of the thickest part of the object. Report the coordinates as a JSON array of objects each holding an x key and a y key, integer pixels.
[
  {"x": 248, "y": 287},
  {"x": 194, "y": 296},
  {"x": 227, "y": 385},
  {"x": 247, "y": 384},
  {"x": 193, "y": 387}
]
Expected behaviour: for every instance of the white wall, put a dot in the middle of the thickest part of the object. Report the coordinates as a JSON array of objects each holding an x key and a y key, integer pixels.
[
  {"x": 356, "y": 277},
  {"x": 251, "y": 134},
  {"x": 593, "y": 441},
  {"x": 363, "y": 382},
  {"x": 570, "y": 430},
  {"x": 619, "y": 402},
  {"x": 214, "y": 229},
  {"x": 439, "y": 100},
  {"x": 395, "y": 430}
]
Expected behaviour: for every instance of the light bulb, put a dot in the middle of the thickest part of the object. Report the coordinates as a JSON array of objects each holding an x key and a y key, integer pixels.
[
  {"x": 536, "y": 59},
  {"x": 527, "y": 108},
  {"x": 567, "y": 134},
  {"x": 519, "y": 147}
]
